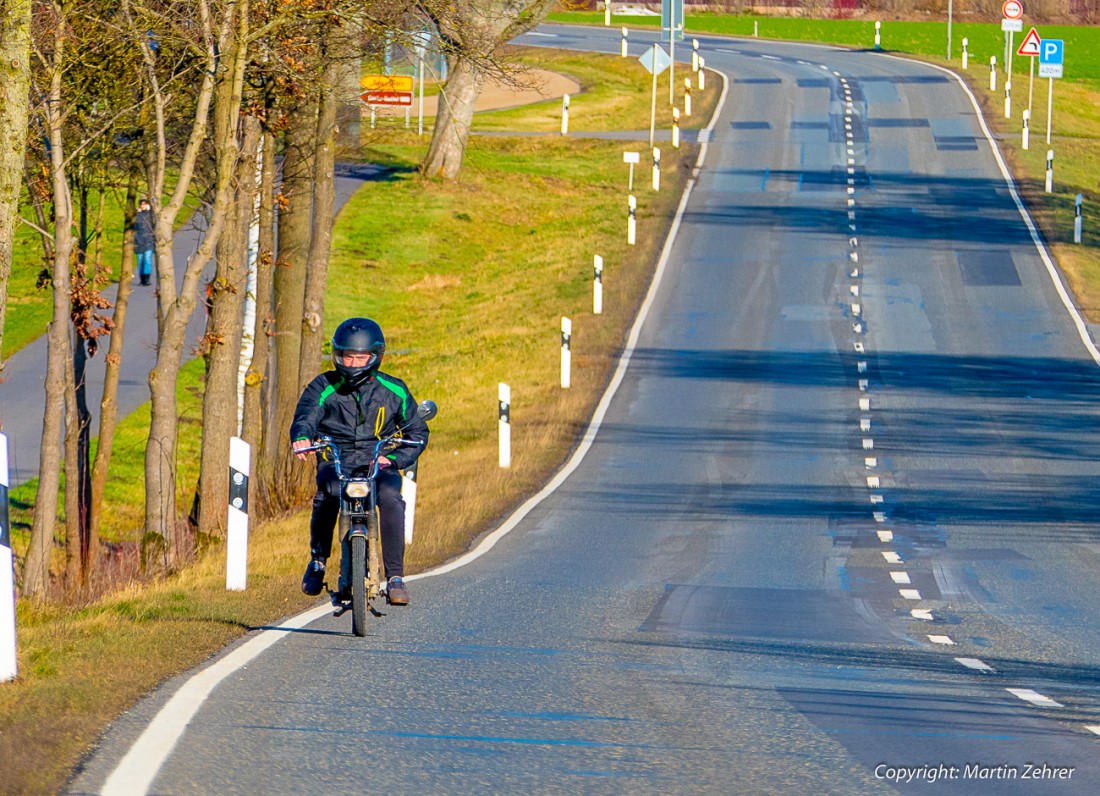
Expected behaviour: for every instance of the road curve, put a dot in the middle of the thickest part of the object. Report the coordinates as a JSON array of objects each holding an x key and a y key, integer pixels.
[{"x": 871, "y": 566}]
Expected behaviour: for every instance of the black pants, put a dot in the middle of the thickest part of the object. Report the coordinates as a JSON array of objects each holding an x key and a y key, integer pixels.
[{"x": 391, "y": 515}]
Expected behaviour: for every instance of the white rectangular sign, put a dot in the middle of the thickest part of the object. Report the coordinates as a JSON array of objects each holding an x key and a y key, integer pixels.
[{"x": 1012, "y": 25}]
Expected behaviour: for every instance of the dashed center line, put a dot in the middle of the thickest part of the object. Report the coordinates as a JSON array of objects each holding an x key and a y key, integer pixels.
[
  {"x": 975, "y": 664},
  {"x": 900, "y": 577},
  {"x": 1034, "y": 697},
  {"x": 945, "y": 640},
  {"x": 909, "y": 594}
]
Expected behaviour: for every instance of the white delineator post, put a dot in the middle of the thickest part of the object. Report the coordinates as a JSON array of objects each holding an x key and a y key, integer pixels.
[
  {"x": 702, "y": 74},
  {"x": 9, "y": 664},
  {"x": 504, "y": 424},
  {"x": 631, "y": 220},
  {"x": 1050, "y": 171},
  {"x": 607, "y": 14},
  {"x": 566, "y": 358},
  {"x": 236, "y": 539},
  {"x": 1025, "y": 140},
  {"x": 597, "y": 285},
  {"x": 755, "y": 28},
  {"x": 966, "y": 55},
  {"x": 408, "y": 494},
  {"x": 687, "y": 96},
  {"x": 565, "y": 114},
  {"x": 622, "y": 46},
  {"x": 992, "y": 73},
  {"x": 1008, "y": 99},
  {"x": 878, "y": 35},
  {"x": 694, "y": 55},
  {"x": 675, "y": 128},
  {"x": 656, "y": 169},
  {"x": 1077, "y": 219}
]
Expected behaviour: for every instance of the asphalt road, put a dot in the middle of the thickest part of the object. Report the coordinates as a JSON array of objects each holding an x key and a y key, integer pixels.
[{"x": 743, "y": 621}]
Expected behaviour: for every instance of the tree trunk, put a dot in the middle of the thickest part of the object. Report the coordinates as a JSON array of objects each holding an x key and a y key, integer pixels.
[
  {"x": 320, "y": 242},
  {"x": 290, "y": 276},
  {"x": 162, "y": 539},
  {"x": 15, "y": 37},
  {"x": 36, "y": 576},
  {"x": 453, "y": 120},
  {"x": 108, "y": 405},
  {"x": 256, "y": 385},
  {"x": 77, "y": 416},
  {"x": 223, "y": 344}
]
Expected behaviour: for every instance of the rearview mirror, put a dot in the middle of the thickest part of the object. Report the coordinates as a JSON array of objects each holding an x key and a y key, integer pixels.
[{"x": 427, "y": 410}]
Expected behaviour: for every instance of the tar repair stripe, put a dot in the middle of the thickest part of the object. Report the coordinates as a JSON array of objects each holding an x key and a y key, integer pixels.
[{"x": 139, "y": 767}]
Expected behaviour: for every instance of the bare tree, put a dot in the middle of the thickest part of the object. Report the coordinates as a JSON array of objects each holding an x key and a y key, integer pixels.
[
  {"x": 471, "y": 31},
  {"x": 209, "y": 41},
  {"x": 222, "y": 342},
  {"x": 15, "y": 39},
  {"x": 51, "y": 54}
]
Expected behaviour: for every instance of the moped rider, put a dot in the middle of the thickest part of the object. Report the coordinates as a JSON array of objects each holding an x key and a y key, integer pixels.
[{"x": 357, "y": 405}]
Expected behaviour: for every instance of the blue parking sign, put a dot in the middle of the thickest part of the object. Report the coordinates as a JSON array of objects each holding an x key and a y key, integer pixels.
[{"x": 1051, "y": 57}]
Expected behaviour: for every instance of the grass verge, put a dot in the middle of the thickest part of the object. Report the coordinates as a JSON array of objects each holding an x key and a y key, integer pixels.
[{"x": 470, "y": 281}]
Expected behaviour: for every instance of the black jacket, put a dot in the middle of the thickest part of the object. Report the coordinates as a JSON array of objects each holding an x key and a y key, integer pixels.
[
  {"x": 357, "y": 418},
  {"x": 144, "y": 234}
]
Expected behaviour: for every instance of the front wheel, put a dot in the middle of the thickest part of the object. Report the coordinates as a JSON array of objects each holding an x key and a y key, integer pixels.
[{"x": 359, "y": 585}]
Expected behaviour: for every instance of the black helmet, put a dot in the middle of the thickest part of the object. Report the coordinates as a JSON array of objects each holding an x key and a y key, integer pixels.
[{"x": 358, "y": 336}]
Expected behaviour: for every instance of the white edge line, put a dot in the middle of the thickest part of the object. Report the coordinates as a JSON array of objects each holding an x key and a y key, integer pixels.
[
  {"x": 1052, "y": 270},
  {"x": 139, "y": 767}
]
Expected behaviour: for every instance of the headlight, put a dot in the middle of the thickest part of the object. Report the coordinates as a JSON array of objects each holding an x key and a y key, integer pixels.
[{"x": 357, "y": 489}]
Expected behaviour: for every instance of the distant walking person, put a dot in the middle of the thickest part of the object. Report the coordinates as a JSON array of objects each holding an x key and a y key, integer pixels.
[{"x": 144, "y": 241}]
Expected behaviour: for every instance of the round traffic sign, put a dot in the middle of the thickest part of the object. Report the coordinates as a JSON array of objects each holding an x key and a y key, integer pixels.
[{"x": 1013, "y": 9}]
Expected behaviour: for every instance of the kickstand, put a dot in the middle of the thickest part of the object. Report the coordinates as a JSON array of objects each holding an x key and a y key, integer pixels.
[{"x": 374, "y": 610}]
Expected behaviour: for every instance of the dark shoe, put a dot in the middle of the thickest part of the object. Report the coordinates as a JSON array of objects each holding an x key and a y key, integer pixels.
[
  {"x": 396, "y": 593},
  {"x": 314, "y": 579},
  {"x": 145, "y": 281}
]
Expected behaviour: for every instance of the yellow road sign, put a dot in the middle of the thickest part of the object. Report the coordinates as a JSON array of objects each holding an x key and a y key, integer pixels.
[{"x": 387, "y": 82}]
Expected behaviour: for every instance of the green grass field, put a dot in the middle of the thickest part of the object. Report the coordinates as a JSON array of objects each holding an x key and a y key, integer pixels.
[
  {"x": 29, "y": 307},
  {"x": 928, "y": 39}
]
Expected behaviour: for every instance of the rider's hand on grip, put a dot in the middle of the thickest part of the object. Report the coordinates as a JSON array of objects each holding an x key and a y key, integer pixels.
[{"x": 299, "y": 445}]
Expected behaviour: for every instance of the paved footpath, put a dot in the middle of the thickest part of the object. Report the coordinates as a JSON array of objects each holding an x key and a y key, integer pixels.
[{"x": 21, "y": 392}]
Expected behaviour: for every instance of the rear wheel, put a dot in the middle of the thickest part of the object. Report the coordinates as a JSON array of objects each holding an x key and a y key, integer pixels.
[{"x": 359, "y": 585}]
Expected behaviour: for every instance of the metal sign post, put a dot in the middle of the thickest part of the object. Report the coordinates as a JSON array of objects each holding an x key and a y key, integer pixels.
[
  {"x": 655, "y": 61},
  {"x": 672, "y": 21},
  {"x": 631, "y": 158},
  {"x": 1013, "y": 11},
  {"x": 1030, "y": 48},
  {"x": 1051, "y": 61}
]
